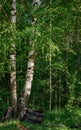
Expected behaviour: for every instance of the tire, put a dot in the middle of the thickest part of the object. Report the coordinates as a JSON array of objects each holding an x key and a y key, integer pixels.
[{"x": 35, "y": 113}]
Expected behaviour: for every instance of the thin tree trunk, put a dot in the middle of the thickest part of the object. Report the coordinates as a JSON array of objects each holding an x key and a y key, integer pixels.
[
  {"x": 13, "y": 59},
  {"x": 50, "y": 103},
  {"x": 60, "y": 92},
  {"x": 50, "y": 60}
]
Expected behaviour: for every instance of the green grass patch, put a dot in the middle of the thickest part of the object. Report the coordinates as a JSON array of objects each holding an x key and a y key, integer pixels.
[
  {"x": 61, "y": 121},
  {"x": 12, "y": 125}
]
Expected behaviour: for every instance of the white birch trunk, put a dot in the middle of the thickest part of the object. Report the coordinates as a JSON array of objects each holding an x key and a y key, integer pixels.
[
  {"x": 30, "y": 67},
  {"x": 13, "y": 59},
  {"x": 29, "y": 79}
]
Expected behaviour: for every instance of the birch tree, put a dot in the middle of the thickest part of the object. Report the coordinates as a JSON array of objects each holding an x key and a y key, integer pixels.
[
  {"x": 13, "y": 58},
  {"x": 30, "y": 66}
]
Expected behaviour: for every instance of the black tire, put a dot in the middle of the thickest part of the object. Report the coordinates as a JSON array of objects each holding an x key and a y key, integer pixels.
[
  {"x": 33, "y": 118},
  {"x": 35, "y": 113}
]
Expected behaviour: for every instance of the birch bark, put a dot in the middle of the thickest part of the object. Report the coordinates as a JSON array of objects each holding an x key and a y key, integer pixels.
[
  {"x": 30, "y": 67},
  {"x": 13, "y": 59}
]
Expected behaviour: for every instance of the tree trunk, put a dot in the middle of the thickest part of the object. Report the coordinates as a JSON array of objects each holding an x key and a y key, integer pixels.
[
  {"x": 29, "y": 79},
  {"x": 13, "y": 59},
  {"x": 50, "y": 77},
  {"x": 50, "y": 63},
  {"x": 30, "y": 67},
  {"x": 7, "y": 114}
]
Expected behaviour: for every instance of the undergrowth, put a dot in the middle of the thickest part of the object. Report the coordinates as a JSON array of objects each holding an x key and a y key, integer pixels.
[{"x": 62, "y": 120}]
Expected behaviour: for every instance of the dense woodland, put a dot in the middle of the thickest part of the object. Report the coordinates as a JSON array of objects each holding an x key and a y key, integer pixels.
[{"x": 40, "y": 55}]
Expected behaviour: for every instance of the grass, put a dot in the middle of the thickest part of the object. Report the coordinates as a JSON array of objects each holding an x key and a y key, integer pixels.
[
  {"x": 65, "y": 118},
  {"x": 9, "y": 126}
]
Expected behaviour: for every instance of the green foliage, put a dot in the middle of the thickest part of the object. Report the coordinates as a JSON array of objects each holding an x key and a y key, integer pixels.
[
  {"x": 4, "y": 48},
  {"x": 64, "y": 39}
]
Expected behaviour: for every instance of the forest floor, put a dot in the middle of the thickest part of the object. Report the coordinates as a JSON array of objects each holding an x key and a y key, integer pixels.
[{"x": 61, "y": 120}]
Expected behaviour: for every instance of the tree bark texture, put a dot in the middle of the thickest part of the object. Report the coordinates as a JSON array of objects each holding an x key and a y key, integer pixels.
[
  {"x": 7, "y": 114},
  {"x": 30, "y": 67},
  {"x": 13, "y": 58},
  {"x": 29, "y": 79}
]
